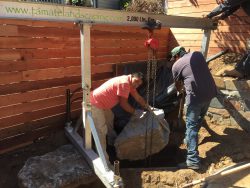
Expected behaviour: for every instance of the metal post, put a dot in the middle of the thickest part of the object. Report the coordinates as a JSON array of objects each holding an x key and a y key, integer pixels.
[
  {"x": 86, "y": 79},
  {"x": 205, "y": 42},
  {"x": 88, "y": 123}
]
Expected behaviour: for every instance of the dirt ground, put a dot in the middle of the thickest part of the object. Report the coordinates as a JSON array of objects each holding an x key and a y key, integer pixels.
[{"x": 219, "y": 147}]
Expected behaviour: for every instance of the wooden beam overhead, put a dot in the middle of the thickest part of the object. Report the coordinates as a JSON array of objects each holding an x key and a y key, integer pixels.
[{"x": 52, "y": 12}]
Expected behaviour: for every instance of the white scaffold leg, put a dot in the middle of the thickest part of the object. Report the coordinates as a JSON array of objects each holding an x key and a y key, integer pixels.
[{"x": 96, "y": 161}]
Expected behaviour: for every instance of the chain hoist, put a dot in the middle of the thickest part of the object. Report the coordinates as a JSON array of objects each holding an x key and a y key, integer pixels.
[{"x": 152, "y": 45}]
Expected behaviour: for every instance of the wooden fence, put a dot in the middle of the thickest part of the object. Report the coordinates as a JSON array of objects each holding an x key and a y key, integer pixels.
[
  {"x": 39, "y": 60},
  {"x": 231, "y": 33}
]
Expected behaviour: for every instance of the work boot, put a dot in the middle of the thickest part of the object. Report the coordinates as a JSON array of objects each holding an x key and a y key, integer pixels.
[{"x": 184, "y": 165}]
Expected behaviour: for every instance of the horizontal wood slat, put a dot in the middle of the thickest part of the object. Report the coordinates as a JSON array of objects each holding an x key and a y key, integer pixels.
[
  {"x": 123, "y": 43},
  {"x": 33, "y": 105},
  {"x": 33, "y": 85},
  {"x": 40, "y": 74},
  {"x": 22, "y": 42},
  {"x": 7, "y": 66},
  {"x": 26, "y": 31},
  {"x": 16, "y": 98},
  {"x": 34, "y": 124},
  {"x": 27, "y": 54},
  {"x": 34, "y": 115},
  {"x": 28, "y": 137}
]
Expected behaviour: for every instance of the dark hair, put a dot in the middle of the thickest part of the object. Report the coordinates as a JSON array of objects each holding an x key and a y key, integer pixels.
[{"x": 138, "y": 75}]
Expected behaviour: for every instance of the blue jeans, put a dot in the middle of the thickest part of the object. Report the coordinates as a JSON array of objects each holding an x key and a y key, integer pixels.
[{"x": 194, "y": 116}]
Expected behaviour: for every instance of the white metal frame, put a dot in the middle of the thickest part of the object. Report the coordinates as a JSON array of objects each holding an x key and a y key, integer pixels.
[{"x": 85, "y": 17}]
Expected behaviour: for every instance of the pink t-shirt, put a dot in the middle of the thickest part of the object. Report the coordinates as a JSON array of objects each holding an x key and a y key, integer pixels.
[{"x": 107, "y": 95}]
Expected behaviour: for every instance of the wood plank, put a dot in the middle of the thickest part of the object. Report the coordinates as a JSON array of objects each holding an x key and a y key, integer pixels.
[
  {"x": 236, "y": 29},
  {"x": 32, "y": 125},
  {"x": 97, "y": 83},
  {"x": 38, "y": 114},
  {"x": 33, "y": 105},
  {"x": 27, "y": 65},
  {"x": 29, "y": 137},
  {"x": 198, "y": 9},
  {"x": 119, "y": 51},
  {"x": 27, "y": 31},
  {"x": 15, "y": 98},
  {"x": 119, "y": 28},
  {"x": 192, "y": 9},
  {"x": 106, "y": 59},
  {"x": 227, "y": 36},
  {"x": 113, "y": 59},
  {"x": 126, "y": 35},
  {"x": 215, "y": 43},
  {"x": 185, "y": 3},
  {"x": 102, "y": 68},
  {"x": 27, "y": 54},
  {"x": 22, "y": 42},
  {"x": 103, "y": 75},
  {"x": 122, "y": 43},
  {"x": 239, "y": 13},
  {"x": 41, "y": 84},
  {"x": 39, "y": 74},
  {"x": 233, "y": 21}
]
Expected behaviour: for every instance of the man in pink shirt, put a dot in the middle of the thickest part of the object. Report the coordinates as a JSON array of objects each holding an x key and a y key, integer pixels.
[{"x": 109, "y": 94}]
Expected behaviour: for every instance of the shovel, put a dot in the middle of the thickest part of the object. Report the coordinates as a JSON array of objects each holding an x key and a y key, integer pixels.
[{"x": 218, "y": 175}]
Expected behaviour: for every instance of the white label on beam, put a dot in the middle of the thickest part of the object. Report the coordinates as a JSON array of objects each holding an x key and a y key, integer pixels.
[{"x": 38, "y": 11}]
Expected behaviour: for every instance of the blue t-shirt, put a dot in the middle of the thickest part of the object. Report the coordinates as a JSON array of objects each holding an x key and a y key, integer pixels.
[{"x": 199, "y": 84}]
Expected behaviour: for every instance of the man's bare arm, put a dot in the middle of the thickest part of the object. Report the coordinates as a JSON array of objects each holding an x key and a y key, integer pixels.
[
  {"x": 179, "y": 86},
  {"x": 140, "y": 99},
  {"x": 126, "y": 106}
]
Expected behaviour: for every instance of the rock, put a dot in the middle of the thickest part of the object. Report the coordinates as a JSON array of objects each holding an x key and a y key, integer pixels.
[
  {"x": 64, "y": 167},
  {"x": 130, "y": 144},
  {"x": 217, "y": 102},
  {"x": 237, "y": 85},
  {"x": 219, "y": 82}
]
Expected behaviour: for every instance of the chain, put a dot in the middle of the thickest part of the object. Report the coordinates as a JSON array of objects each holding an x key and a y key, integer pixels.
[
  {"x": 154, "y": 70},
  {"x": 153, "y": 76},
  {"x": 147, "y": 97}
]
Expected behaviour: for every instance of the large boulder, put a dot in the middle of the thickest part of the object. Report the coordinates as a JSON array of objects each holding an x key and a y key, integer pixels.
[
  {"x": 130, "y": 144},
  {"x": 64, "y": 167}
]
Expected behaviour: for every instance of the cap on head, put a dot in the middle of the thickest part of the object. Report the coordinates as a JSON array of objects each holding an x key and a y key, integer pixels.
[{"x": 176, "y": 51}]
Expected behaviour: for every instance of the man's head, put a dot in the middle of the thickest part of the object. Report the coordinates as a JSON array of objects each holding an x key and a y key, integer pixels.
[
  {"x": 136, "y": 79},
  {"x": 177, "y": 53}
]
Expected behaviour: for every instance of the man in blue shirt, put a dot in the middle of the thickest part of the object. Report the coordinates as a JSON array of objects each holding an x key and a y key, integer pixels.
[{"x": 191, "y": 69}]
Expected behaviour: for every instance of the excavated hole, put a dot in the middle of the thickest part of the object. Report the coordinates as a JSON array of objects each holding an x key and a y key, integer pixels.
[{"x": 168, "y": 157}]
